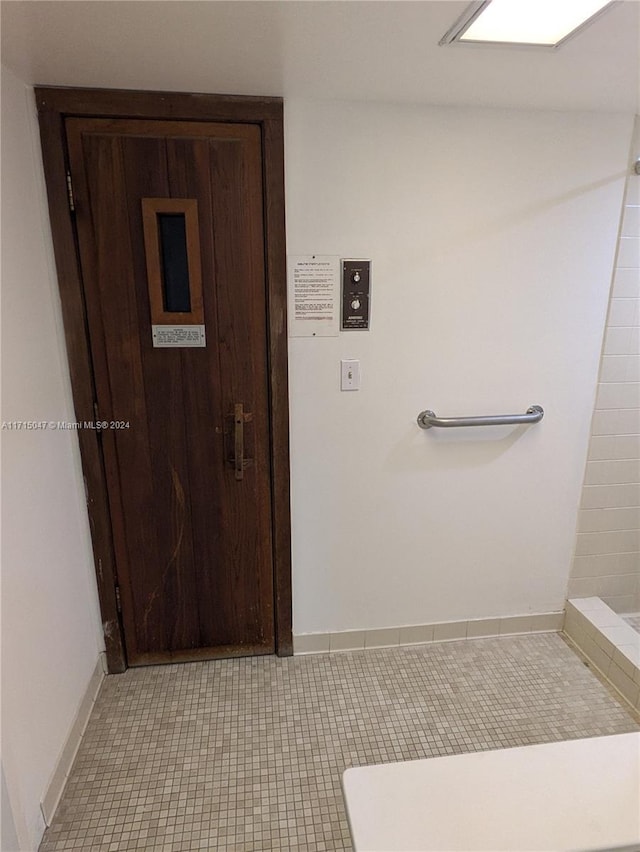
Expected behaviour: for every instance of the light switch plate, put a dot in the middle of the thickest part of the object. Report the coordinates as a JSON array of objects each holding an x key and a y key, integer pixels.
[{"x": 349, "y": 375}]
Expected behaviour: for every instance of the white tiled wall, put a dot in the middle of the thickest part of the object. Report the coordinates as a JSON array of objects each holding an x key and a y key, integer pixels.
[{"x": 607, "y": 555}]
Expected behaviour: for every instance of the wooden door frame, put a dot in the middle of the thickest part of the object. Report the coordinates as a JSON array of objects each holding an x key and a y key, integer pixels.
[{"x": 54, "y": 106}]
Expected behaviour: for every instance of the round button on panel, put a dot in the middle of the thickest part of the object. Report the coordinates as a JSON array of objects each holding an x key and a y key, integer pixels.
[
  {"x": 355, "y": 277},
  {"x": 355, "y": 304}
]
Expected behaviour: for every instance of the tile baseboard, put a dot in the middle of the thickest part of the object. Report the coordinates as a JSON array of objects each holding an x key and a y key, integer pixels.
[
  {"x": 59, "y": 776},
  {"x": 422, "y": 634}
]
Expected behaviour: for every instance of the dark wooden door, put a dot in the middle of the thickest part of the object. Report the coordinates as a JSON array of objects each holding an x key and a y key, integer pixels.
[{"x": 187, "y": 469}]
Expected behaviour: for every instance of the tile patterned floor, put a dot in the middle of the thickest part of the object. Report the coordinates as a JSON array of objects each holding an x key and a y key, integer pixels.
[
  {"x": 247, "y": 754},
  {"x": 633, "y": 620}
]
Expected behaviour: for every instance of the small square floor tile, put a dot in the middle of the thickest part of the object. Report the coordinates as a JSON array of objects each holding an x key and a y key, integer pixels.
[{"x": 248, "y": 754}]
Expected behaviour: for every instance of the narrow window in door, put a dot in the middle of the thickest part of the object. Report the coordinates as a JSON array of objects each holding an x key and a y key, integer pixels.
[
  {"x": 172, "y": 248},
  {"x": 172, "y": 232}
]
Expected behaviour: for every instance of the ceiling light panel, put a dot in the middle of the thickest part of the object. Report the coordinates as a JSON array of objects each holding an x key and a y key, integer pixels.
[{"x": 541, "y": 22}]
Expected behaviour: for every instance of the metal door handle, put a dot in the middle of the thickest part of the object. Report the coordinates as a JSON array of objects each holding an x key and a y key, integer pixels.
[
  {"x": 238, "y": 416},
  {"x": 238, "y": 460}
]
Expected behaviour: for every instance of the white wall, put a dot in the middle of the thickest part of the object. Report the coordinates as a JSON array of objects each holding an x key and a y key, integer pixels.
[
  {"x": 492, "y": 236},
  {"x": 50, "y": 618},
  {"x": 607, "y": 555},
  {"x": 9, "y": 836}
]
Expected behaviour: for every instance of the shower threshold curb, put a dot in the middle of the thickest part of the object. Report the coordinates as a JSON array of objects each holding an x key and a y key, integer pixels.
[{"x": 610, "y": 644}]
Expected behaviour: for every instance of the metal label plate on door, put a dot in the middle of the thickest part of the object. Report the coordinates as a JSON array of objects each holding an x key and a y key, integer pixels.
[{"x": 178, "y": 335}]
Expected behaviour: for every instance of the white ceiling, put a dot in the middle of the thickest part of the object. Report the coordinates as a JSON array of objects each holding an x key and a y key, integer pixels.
[{"x": 347, "y": 49}]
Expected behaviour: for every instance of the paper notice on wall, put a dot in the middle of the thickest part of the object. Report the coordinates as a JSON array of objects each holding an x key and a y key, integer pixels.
[{"x": 314, "y": 295}]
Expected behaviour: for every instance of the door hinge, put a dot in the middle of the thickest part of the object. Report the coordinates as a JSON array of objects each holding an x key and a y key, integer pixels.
[
  {"x": 118, "y": 601},
  {"x": 72, "y": 206}
]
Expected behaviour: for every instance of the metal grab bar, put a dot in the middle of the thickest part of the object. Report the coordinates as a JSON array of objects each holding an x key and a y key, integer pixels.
[{"x": 534, "y": 414}]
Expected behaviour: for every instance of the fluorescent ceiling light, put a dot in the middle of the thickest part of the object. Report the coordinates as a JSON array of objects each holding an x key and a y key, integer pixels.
[{"x": 542, "y": 22}]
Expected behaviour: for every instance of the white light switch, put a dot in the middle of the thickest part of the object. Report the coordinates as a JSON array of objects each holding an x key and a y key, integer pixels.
[{"x": 350, "y": 375}]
